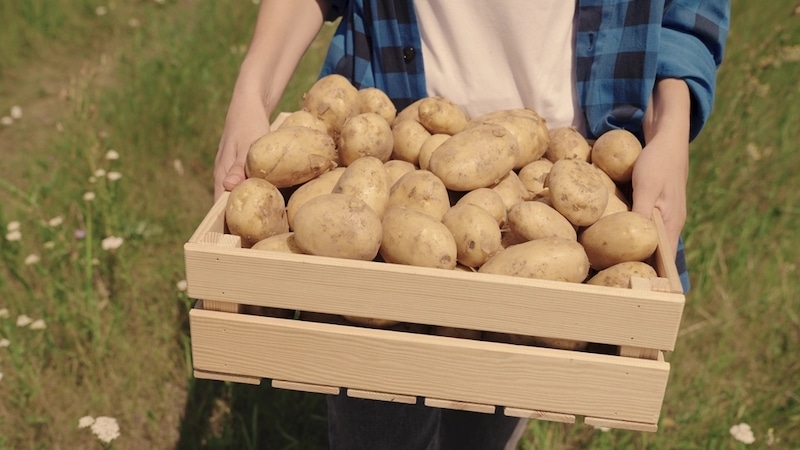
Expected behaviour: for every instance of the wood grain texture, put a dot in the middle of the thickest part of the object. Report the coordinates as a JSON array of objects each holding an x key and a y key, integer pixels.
[{"x": 436, "y": 367}]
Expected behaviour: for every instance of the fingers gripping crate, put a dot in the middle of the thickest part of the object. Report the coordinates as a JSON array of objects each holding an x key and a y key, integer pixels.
[{"x": 622, "y": 388}]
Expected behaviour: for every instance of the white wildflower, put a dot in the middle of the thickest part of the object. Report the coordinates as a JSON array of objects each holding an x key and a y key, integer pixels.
[
  {"x": 101, "y": 10},
  {"x": 4, "y": 343},
  {"x": 89, "y": 196},
  {"x": 6, "y": 120},
  {"x": 4, "y": 314},
  {"x": 85, "y": 421},
  {"x": 92, "y": 179},
  {"x": 743, "y": 433},
  {"x": 100, "y": 173},
  {"x": 16, "y": 112},
  {"x": 182, "y": 285},
  {"x": 23, "y": 320},
  {"x": 14, "y": 236},
  {"x": 13, "y": 226},
  {"x": 38, "y": 324},
  {"x": 134, "y": 22},
  {"x": 105, "y": 428},
  {"x": 161, "y": 2},
  {"x": 49, "y": 245},
  {"x": 32, "y": 259},
  {"x": 55, "y": 221},
  {"x": 178, "y": 166},
  {"x": 113, "y": 176},
  {"x": 111, "y": 243},
  {"x": 112, "y": 155}
]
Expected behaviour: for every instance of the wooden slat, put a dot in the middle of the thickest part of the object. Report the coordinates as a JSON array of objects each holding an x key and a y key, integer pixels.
[
  {"x": 539, "y": 415},
  {"x": 461, "y": 406},
  {"x": 305, "y": 387},
  {"x": 233, "y": 378},
  {"x": 621, "y": 424},
  {"x": 434, "y": 296},
  {"x": 382, "y": 396},
  {"x": 429, "y": 366},
  {"x": 665, "y": 256},
  {"x": 220, "y": 240}
]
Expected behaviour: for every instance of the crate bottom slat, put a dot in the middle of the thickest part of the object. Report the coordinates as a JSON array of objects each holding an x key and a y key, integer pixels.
[{"x": 431, "y": 367}]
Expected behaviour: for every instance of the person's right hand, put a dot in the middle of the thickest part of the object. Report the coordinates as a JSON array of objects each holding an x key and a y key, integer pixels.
[{"x": 246, "y": 121}]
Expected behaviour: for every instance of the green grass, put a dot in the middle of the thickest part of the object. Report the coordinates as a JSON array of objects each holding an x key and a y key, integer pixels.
[{"x": 152, "y": 81}]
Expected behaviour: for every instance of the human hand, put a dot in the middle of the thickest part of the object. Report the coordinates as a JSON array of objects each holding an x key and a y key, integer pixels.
[
  {"x": 247, "y": 121},
  {"x": 659, "y": 181}
]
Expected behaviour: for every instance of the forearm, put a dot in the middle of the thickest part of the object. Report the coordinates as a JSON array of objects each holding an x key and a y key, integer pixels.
[
  {"x": 669, "y": 111},
  {"x": 283, "y": 32}
]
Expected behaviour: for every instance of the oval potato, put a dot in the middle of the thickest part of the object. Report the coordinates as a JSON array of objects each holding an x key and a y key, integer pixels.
[
  {"x": 397, "y": 168},
  {"x": 476, "y": 232},
  {"x": 290, "y": 156},
  {"x": 414, "y": 238},
  {"x": 577, "y": 191},
  {"x": 619, "y": 237},
  {"x": 255, "y": 210},
  {"x": 489, "y": 200},
  {"x": 619, "y": 275},
  {"x": 615, "y": 153},
  {"x": 323, "y": 184},
  {"x": 534, "y": 175},
  {"x": 332, "y": 98},
  {"x": 441, "y": 116},
  {"x": 567, "y": 143},
  {"x": 420, "y": 190},
  {"x": 339, "y": 226},
  {"x": 408, "y": 137},
  {"x": 367, "y": 179},
  {"x": 527, "y": 126},
  {"x": 365, "y": 134},
  {"x": 536, "y": 220},
  {"x": 427, "y": 148},
  {"x": 372, "y": 99},
  {"x": 283, "y": 243},
  {"x": 552, "y": 258},
  {"x": 302, "y": 118}
]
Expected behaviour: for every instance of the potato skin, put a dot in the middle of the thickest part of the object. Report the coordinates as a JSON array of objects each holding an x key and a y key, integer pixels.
[
  {"x": 536, "y": 220},
  {"x": 527, "y": 126},
  {"x": 408, "y": 137},
  {"x": 255, "y": 210},
  {"x": 372, "y": 99},
  {"x": 420, "y": 190},
  {"x": 567, "y": 143},
  {"x": 367, "y": 179},
  {"x": 365, "y": 134},
  {"x": 476, "y": 232},
  {"x": 414, "y": 238},
  {"x": 397, "y": 168},
  {"x": 534, "y": 174},
  {"x": 489, "y": 200},
  {"x": 577, "y": 191},
  {"x": 619, "y": 237},
  {"x": 302, "y": 118},
  {"x": 441, "y": 116},
  {"x": 615, "y": 153},
  {"x": 333, "y": 99},
  {"x": 552, "y": 258},
  {"x": 290, "y": 156},
  {"x": 477, "y": 157},
  {"x": 339, "y": 226},
  {"x": 283, "y": 243},
  {"x": 619, "y": 275},
  {"x": 323, "y": 184}
]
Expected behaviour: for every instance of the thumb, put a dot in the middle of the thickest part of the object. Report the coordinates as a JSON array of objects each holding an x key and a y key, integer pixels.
[
  {"x": 644, "y": 200},
  {"x": 234, "y": 176}
]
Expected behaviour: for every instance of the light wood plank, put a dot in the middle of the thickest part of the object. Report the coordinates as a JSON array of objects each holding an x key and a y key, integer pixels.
[
  {"x": 429, "y": 366},
  {"x": 539, "y": 415},
  {"x": 383, "y": 396},
  {"x": 306, "y": 387},
  {"x": 233, "y": 378},
  {"x": 621, "y": 424},
  {"x": 461, "y": 406}
]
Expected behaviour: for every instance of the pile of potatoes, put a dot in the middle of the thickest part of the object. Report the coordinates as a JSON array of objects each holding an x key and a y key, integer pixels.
[{"x": 348, "y": 176}]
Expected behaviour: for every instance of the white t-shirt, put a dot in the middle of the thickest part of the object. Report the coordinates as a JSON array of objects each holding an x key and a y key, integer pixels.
[{"x": 491, "y": 55}]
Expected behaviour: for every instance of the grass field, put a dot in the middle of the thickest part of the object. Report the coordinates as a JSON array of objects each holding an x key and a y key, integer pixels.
[{"x": 107, "y": 170}]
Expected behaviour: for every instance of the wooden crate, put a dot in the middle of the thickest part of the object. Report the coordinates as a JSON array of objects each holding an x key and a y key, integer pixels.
[{"x": 623, "y": 388}]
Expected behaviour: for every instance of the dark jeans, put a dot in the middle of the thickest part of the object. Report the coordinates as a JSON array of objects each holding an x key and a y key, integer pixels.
[{"x": 358, "y": 424}]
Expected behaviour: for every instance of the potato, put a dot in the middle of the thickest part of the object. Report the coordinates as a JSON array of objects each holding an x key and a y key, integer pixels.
[
  {"x": 511, "y": 190},
  {"x": 367, "y": 179},
  {"x": 414, "y": 238},
  {"x": 372, "y": 99},
  {"x": 489, "y": 200},
  {"x": 397, "y": 168},
  {"x": 534, "y": 174},
  {"x": 426, "y": 150},
  {"x": 538, "y": 341},
  {"x": 577, "y": 191},
  {"x": 410, "y": 112},
  {"x": 255, "y": 210},
  {"x": 301, "y": 118},
  {"x": 527, "y": 126},
  {"x": 567, "y": 143},
  {"x": 283, "y": 243},
  {"x": 323, "y": 184},
  {"x": 477, "y": 157},
  {"x": 615, "y": 205},
  {"x": 619, "y": 275},
  {"x": 290, "y": 156},
  {"x": 535, "y": 220},
  {"x": 333, "y": 99},
  {"x": 461, "y": 333},
  {"x": 370, "y": 321},
  {"x": 408, "y": 138},
  {"x": 620, "y": 237},
  {"x": 420, "y": 190},
  {"x": 441, "y": 116},
  {"x": 339, "y": 226},
  {"x": 615, "y": 152},
  {"x": 552, "y": 258},
  {"x": 476, "y": 232},
  {"x": 365, "y": 134}
]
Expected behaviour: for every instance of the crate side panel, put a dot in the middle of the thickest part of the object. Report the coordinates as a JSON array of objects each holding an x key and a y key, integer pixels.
[
  {"x": 477, "y": 301},
  {"x": 429, "y": 366}
]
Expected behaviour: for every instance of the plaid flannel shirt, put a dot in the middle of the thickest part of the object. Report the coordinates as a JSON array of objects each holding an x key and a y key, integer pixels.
[{"x": 622, "y": 48}]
